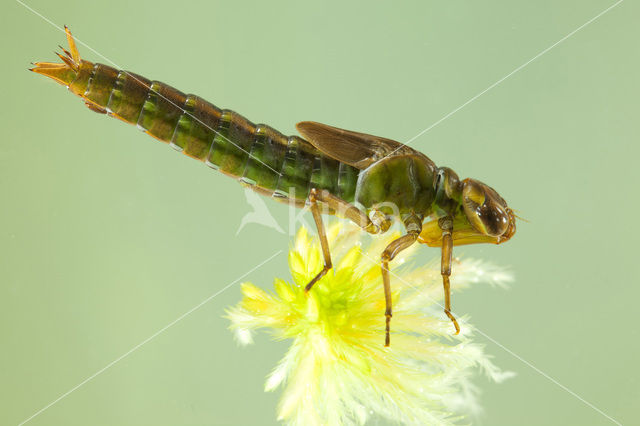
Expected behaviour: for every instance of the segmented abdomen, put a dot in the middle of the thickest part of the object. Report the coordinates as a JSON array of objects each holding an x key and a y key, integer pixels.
[{"x": 258, "y": 155}]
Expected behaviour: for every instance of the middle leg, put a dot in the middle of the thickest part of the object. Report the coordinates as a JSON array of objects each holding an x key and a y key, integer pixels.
[{"x": 414, "y": 225}]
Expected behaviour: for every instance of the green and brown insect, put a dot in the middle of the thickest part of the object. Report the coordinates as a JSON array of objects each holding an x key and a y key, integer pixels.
[{"x": 367, "y": 179}]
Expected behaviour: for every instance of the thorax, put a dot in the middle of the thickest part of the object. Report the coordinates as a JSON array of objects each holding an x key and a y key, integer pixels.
[{"x": 398, "y": 185}]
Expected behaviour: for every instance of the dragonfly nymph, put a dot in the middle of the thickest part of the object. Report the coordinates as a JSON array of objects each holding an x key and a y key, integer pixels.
[{"x": 367, "y": 179}]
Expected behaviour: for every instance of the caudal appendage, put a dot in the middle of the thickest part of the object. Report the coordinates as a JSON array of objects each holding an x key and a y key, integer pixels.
[{"x": 65, "y": 72}]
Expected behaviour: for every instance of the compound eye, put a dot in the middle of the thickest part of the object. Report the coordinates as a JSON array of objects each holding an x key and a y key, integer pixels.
[
  {"x": 495, "y": 220},
  {"x": 483, "y": 210}
]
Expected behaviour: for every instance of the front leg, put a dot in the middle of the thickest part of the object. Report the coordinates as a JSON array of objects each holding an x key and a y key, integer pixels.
[{"x": 446, "y": 224}]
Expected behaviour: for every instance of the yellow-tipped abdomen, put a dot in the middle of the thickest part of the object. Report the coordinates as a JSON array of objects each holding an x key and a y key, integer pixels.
[{"x": 65, "y": 72}]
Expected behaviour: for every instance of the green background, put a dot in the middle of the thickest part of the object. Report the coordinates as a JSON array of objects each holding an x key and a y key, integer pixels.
[{"x": 108, "y": 236}]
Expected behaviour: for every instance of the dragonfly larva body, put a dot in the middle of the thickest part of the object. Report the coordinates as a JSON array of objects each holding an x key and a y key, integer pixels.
[{"x": 365, "y": 178}]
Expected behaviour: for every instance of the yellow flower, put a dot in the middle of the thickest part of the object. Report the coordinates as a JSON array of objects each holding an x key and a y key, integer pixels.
[{"x": 337, "y": 370}]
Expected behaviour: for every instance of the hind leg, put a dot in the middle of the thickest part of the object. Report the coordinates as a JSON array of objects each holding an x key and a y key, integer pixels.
[{"x": 346, "y": 210}]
